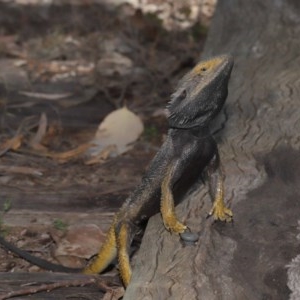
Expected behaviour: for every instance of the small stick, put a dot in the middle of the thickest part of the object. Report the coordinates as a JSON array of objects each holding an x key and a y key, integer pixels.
[{"x": 51, "y": 286}]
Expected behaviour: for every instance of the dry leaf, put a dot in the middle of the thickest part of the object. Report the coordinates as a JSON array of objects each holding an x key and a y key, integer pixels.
[
  {"x": 5, "y": 179},
  {"x": 114, "y": 293},
  {"x": 119, "y": 129},
  {"x": 63, "y": 157},
  {"x": 53, "y": 134},
  {"x": 114, "y": 63},
  {"x": 102, "y": 156},
  {"x": 35, "y": 142},
  {"x": 45, "y": 96},
  {"x": 80, "y": 241},
  {"x": 11, "y": 144}
]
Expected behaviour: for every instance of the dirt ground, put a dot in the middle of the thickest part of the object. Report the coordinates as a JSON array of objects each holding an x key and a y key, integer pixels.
[{"x": 64, "y": 67}]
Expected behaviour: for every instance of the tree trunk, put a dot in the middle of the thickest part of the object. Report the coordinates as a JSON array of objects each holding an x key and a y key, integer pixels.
[{"x": 259, "y": 149}]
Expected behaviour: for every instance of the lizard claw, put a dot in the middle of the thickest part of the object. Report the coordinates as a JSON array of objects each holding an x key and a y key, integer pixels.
[
  {"x": 220, "y": 212},
  {"x": 173, "y": 225}
]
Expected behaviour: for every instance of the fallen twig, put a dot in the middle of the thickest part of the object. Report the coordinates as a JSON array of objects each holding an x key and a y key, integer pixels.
[
  {"x": 5, "y": 169},
  {"x": 51, "y": 286}
]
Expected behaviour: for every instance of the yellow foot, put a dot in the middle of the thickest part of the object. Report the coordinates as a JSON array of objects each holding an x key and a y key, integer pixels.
[
  {"x": 220, "y": 212},
  {"x": 173, "y": 225}
]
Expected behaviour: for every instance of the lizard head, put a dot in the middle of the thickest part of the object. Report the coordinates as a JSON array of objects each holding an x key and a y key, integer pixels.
[{"x": 200, "y": 94}]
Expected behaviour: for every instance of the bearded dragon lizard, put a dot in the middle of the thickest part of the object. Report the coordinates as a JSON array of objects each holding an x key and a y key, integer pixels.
[{"x": 188, "y": 152}]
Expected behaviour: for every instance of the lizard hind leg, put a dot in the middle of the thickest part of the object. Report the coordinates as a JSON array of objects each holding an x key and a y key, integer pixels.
[
  {"x": 219, "y": 211},
  {"x": 216, "y": 186},
  {"x": 125, "y": 233},
  {"x": 106, "y": 254},
  {"x": 117, "y": 243}
]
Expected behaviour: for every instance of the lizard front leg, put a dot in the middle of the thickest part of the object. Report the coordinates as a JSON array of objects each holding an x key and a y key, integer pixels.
[
  {"x": 167, "y": 206},
  {"x": 215, "y": 177}
]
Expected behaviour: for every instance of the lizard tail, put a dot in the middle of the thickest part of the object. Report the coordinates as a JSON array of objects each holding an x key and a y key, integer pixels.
[
  {"x": 40, "y": 262},
  {"x": 105, "y": 256}
]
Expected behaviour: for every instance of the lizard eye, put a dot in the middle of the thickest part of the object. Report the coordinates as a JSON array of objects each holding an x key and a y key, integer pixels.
[
  {"x": 203, "y": 69},
  {"x": 182, "y": 96}
]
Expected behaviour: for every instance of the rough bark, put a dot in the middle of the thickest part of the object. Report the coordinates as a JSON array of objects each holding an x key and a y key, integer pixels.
[{"x": 260, "y": 153}]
